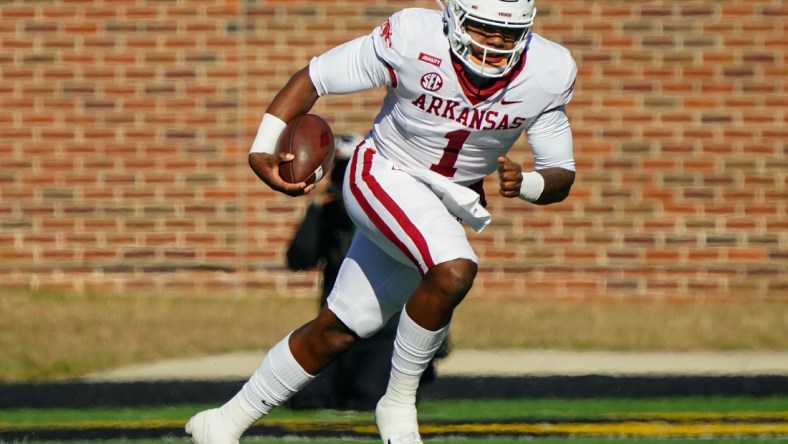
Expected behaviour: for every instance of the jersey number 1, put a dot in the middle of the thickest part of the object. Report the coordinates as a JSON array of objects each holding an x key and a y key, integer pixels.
[{"x": 445, "y": 166}]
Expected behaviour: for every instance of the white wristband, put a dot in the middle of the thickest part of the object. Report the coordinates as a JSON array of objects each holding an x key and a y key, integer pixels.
[
  {"x": 532, "y": 186},
  {"x": 268, "y": 134}
]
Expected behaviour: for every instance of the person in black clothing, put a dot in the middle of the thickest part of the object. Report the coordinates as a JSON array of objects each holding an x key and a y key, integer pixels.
[
  {"x": 324, "y": 235},
  {"x": 358, "y": 379}
]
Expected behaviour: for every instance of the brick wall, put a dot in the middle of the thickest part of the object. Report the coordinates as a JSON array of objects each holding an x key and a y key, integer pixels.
[{"x": 124, "y": 128}]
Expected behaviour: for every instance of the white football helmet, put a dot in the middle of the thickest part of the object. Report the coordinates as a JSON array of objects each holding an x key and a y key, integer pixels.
[{"x": 517, "y": 15}]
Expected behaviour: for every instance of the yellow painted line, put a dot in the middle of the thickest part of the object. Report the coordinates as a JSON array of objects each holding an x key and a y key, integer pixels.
[
  {"x": 641, "y": 429},
  {"x": 655, "y": 428},
  {"x": 623, "y": 428}
]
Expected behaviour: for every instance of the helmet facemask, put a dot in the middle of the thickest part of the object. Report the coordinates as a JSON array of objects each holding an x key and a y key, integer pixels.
[{"x": 514, "y": 23}]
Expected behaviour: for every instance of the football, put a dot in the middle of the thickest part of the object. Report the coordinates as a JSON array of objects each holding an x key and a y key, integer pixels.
[{"x": 310, "y": 140}]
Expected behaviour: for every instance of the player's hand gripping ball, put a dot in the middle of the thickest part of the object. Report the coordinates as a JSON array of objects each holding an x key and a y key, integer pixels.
[{"x": 310, "y": 140}]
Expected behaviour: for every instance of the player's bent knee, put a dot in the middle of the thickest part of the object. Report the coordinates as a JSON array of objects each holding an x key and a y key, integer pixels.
[
  {"x": 336, "y": 342},
  {"x": 454, "y": 277},
  {"x": 329, "y": 334},
  {"x": 365, "y": 327},
  {"x": 366, "y": 313}
]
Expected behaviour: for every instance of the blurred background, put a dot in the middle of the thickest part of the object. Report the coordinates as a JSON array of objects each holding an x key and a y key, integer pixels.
[{"x": 124, "y": 128}]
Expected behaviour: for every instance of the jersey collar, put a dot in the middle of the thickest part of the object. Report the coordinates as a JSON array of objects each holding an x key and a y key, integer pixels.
[{"x": 477, "y": 95}]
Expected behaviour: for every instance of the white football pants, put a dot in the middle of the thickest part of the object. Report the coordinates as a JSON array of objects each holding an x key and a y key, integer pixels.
[{"x": 403, "y": 231}]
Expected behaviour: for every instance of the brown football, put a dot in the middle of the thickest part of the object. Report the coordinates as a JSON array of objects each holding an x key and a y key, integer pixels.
[{"x": 310, "y": 139}]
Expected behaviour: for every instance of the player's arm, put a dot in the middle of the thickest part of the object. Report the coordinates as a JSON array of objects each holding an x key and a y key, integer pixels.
[
  {"x": 551, "y": 142},
  {"x": 348, "y": 68},
  {"x": 296, "y": 98},
  {"x": 555, "y": 183}
]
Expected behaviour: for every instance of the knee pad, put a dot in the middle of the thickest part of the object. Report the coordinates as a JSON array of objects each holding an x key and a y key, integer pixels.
[{"x": 365, "y": 308}]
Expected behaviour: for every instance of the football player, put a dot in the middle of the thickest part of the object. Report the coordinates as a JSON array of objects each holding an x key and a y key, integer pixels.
[{"x": 462, "y": 85}]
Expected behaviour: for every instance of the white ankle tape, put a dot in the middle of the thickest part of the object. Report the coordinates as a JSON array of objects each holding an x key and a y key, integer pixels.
[{"x": 238, "y": 414}]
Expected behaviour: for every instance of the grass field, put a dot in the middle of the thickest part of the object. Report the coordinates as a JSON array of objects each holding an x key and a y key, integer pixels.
[
  {"x": 542, "y": 421},
  {"x": 47, "y": 335}
]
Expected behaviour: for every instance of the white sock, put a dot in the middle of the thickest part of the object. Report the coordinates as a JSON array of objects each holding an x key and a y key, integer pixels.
[
  {"x": 238, "y": 414},
  {"x": 277, "y": 378},
  {"x": 414, "y": 348}
]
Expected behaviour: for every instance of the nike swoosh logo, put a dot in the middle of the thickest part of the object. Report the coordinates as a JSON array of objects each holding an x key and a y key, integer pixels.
[{"x": 510, "y": 102}]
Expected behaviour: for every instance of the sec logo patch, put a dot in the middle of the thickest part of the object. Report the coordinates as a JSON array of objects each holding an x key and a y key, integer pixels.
[{"x": 432, "y": 81}]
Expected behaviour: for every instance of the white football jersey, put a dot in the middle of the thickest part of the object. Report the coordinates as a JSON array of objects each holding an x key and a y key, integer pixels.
[{"x": 434, "y": 117}]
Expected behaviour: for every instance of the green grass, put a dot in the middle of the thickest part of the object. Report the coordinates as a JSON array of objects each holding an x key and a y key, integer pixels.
[
  {"x": 590, "y": 408},
  {"x": 659, "y": 415},
  {"x": 438, "y": 410}
]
